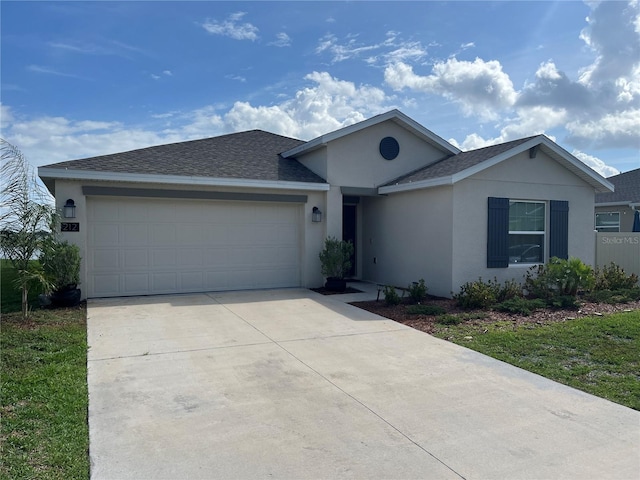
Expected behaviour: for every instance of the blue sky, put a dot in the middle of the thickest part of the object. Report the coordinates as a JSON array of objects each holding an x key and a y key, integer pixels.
[{"x": 87, "y": 78}]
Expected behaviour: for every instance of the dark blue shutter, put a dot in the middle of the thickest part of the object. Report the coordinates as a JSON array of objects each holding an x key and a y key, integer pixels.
[
  {"x": 559, "y": 229},
  {"x": 498, "y": 233}
]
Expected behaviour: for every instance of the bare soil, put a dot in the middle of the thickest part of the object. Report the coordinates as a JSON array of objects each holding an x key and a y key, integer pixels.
[{"x": 427, "y": 323}]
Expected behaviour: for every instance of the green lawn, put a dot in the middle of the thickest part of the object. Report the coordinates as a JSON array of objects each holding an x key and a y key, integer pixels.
[
  {"x": 599, "y": 355},
  {"x": 11, "y": 298},
  {"x": 44, "y": 431}
]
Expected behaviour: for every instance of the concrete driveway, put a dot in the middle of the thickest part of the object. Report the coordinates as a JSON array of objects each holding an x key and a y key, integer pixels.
[{"x": 292, "y": 384}]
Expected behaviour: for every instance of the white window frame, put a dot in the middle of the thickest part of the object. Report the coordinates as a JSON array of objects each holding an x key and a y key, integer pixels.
[
  {"x": 532, "y": 232},
  {"x": 599, "y": 229}
]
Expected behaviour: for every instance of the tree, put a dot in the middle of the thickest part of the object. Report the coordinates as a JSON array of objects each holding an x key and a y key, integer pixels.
[{"x": 26, "y": 220}]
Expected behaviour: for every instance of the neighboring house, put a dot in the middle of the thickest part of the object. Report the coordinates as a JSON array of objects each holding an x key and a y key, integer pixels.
[
  {"x": 615, "y": 210},
  {"x": 237, "y": 211}
]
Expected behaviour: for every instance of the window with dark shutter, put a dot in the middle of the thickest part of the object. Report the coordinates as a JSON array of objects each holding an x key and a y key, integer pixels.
[
  {"x": 559, "y": 229},
  {"x": 498, "y": 233}
]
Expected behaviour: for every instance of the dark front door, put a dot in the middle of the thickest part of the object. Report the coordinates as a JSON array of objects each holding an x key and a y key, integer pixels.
[{"x": 349, "y": 227}]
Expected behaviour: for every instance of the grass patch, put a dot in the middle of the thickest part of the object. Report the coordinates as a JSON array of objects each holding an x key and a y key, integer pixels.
[
  {"x": 598, "y": 355},
  {"x": 44, "y": 432},
  {"x": 11, "y": 299}
]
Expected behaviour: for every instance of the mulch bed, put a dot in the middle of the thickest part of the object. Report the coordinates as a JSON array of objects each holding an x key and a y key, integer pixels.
[{"x": 427, "y": 323}]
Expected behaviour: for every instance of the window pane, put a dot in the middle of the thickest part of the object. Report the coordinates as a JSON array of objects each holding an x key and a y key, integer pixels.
[
  {"x": 526, "y": 217},
  {"x": 526, "y": 248},
  {"x": 608, "y": 220}
]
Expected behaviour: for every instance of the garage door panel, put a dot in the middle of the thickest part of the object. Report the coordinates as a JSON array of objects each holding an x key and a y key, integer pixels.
[
  {"x": 108, "y": 285},
  {"x": 135, "y": 259},
  {"x": 215, "y": 257},
  {"x": 190, "y": 257},
  {"x": 134, "y": 234},
  {"x": 164, "y": 282},
  {"x": 146, "y": 246},
  {"x": 105, "y": 259},
  {"x": 192, "y": 281},
  {"x": 164, "y": 258},
  {"x": 190, "y": 234},
  {"x": 105, "y": 235},
  {"x": 136, "y": 283},
  {"x": 163, "y": 234}
]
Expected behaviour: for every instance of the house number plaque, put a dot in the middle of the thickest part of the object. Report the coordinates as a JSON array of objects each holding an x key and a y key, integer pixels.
[{"x": 69, "y": 227}]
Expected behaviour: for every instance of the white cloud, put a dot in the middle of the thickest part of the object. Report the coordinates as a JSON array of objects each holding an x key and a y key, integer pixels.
[
  {"x": 232, "y": 28},
  {"x": 282, "y": 40},
  {"x": 595, "y": 163},
  {"x": 168, "y": 73},
  {"x": 391, "y": 49},
  {"x": 50, "y": 71},
  {"x": 325, "y": 104},
  {"x": 621, "y": 129},
  {"x": 238, "y": 78},
  {"x": 480, "y": 88}
]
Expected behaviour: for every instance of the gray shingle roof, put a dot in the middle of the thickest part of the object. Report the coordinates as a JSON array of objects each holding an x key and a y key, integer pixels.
[
  {"x": 457, "y": 163},
  {"x": 627, "y": 188},
  {"x": 252, "y": 155}
]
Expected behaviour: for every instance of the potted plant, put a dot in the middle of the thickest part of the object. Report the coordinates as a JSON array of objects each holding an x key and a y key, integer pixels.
[
  {"x": 335, "y": 260},
  {"x": 61, "y": 263}
]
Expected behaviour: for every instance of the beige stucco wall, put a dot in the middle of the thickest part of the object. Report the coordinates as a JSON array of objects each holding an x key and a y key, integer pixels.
[
  {"x": 410, "y": 237},
  {"x": 355, "y": 160},
  {"x": 518, "y": 178},
  {"x": 312, "y": 234}
]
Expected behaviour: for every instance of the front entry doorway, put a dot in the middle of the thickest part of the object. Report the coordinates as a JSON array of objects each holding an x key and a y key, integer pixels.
[{"x": 349, "y": 233}]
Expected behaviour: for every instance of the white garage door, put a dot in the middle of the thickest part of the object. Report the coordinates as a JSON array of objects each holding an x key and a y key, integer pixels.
[{"x": 152, "y": 246}]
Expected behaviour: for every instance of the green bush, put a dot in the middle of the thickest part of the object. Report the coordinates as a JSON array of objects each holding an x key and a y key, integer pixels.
[
  {"x": 559, "y": 278},
  {"x": 510, "y": 289},
  {"x": 564, "y": 301},
  {"x": 624, "y": 295},
  {"x": 391, "y": 297},
  {"x": 61, "y": 263},
  {"x": 418, "y": 291},
  {"x": 613, "y": 277},
  {"x": 425, "y": 310},
  {"x": 478, "y": 294},
  {"x": 521, "y": 306},
  {"x": 335, "y": 258}
]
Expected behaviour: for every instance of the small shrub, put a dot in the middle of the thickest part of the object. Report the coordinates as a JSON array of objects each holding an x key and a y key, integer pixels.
[
  {"x": 391, "y": 297},
  {"x": 418, "y": 291},
  {"x": 521, "y": 306},
  {"x": 60, "y": 262},
  {"x": 625, "y": 295},
  {"x": 564, "y": 301},
  {"x": 478, "y": 294},
  {"x": 425, "y": 310},
  {"x": 510, "y": 289},
  {"x": 559, "y": 278},
  {"x": 613, "y": 277}
]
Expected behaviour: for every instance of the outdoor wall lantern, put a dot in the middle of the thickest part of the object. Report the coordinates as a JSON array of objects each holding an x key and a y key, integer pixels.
[
  {"x": 316, "y": 215},
  {"x": 69, "y": 209}
]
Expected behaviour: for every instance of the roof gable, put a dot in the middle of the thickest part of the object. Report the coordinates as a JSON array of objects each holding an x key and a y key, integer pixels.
[
  {"x": 458, "y": 167},
  {"x": 393, "y": 115},
  {"x": 252, "y": 155}
]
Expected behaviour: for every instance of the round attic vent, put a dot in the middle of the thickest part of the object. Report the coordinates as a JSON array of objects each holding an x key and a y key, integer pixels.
[{"x": 389, "y": 148}]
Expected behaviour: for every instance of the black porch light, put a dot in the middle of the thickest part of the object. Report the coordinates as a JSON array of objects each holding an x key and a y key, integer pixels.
[
  {"x": 316, "y": 215},
  {"x": 69, "y": 209}
]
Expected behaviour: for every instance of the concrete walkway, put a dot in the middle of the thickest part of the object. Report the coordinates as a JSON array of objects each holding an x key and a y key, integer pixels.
[{"x": 292, "y": 384}]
